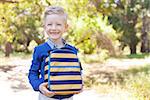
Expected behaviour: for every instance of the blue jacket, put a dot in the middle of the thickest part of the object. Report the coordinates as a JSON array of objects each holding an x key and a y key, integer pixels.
[{"x": 36, "y": 72}]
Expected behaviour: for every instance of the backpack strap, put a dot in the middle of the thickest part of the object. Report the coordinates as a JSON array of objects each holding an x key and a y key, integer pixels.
[
  {"x": 49, "y": 66},
  {"x": 49, "y": 72}
]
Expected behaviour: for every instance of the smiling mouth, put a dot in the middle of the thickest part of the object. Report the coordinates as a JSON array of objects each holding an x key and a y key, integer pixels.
[{"x": 54, "y": 32}]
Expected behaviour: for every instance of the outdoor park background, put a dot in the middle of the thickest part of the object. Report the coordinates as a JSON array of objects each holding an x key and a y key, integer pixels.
[{"x": 113, "y": 37}]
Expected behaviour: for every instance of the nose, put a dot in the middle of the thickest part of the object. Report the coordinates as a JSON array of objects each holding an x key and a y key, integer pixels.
[{"x": 53, "y": 27}]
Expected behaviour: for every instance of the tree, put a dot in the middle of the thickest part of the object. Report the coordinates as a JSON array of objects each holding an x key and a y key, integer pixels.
[
  {"x": 8, "y": 49},
  {"x": 145, "y": 37},
  {"x": 5, "y": 30},
  {"x": 124, "y": 20},
  {"x": 21, "y": 22}
]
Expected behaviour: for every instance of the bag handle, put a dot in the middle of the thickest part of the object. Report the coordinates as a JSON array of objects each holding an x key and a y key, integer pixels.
[{"x": 49, "y": 71}]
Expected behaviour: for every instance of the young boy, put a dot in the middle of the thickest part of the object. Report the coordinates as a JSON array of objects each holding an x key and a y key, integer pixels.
[{"x": 55, "y": 25}]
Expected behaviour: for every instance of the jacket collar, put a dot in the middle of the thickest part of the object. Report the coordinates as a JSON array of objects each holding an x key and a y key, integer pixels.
[{"x": 53, "y": 45}]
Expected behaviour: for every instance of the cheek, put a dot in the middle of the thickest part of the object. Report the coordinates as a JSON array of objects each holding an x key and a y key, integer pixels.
[{"x": 47, "y": 28}]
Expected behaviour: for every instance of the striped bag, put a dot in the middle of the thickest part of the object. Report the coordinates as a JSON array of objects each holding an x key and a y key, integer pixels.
[{"x": 64, "y": 72}]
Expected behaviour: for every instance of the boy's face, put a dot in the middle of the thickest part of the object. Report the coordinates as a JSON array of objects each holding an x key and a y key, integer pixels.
[{"x": 55, "y": 26}]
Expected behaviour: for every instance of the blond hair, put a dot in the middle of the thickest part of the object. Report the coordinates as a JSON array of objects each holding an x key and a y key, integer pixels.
[{"x": 55, "y": 10}]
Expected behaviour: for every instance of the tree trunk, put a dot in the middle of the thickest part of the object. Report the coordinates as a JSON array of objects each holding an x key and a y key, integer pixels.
[
  {"x": 144, "y": 37},
  {"x": 27, "y": 44},
  {"x": 133, "y": 42},
  {"x": 8, "y": 49},
  {"x": 132, "y": 48}
]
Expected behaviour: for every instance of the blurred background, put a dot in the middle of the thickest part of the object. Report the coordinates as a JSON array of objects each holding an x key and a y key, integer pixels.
[{"x": 113, "y": 38}]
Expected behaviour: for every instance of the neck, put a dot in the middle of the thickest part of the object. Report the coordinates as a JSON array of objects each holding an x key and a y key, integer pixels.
[{"x": 59, "y": 42}]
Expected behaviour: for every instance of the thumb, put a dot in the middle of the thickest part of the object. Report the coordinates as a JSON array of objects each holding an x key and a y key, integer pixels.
[{"x": 45, "y": 84}]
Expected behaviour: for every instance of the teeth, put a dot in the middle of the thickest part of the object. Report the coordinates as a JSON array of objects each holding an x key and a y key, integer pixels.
[{"x": 54, "y": 32}]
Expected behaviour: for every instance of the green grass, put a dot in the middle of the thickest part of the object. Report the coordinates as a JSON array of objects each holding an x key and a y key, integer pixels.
[
  {"x": 133, "y": 71},
  {"x": 17, "y": 54},
  {"x": 21, "y": 54},
  {"x": 132, "y": 56},
  {"x": 139, "y": 83},
  {"x": 143, "y": 55},
  {"x": 1, "y": 54},
  {"x": 94, "y": 58},
  {"x": 135, "y": 80}
]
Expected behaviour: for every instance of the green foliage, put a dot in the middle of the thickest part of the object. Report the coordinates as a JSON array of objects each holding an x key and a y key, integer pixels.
[
  {"x": 20, "y": 23},
  {"x": 90, "y": 23},
  {"x": 87, "y": 30},
  {"x": 5, "y": 22},
  {"x": 125, "y": 19},
  {"x": 25, "y": 24},
  {"x": 95, "y": 58},
  {"x": 85, "y": 24}
]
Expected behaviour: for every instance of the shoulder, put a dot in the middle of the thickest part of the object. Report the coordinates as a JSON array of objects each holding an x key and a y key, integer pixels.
[
  {"x": 72, "y": 47},
  {"x": 41, "y": 50},
  {"x": 42, "y": 47}
]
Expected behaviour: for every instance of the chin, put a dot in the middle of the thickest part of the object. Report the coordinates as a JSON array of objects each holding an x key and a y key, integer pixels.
[{"x": 54, "y": 38}]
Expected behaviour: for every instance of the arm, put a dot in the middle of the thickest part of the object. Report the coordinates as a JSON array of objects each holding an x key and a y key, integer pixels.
[
  {"x": 34, "y": 73},
  {"x": 36, "y": 82}
]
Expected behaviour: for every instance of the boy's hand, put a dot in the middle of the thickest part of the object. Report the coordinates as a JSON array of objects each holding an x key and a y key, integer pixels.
[{"x": 44, "y": 90}]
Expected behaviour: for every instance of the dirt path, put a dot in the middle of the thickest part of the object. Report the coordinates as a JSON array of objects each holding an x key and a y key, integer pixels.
[{"x": 14, "y": 83}]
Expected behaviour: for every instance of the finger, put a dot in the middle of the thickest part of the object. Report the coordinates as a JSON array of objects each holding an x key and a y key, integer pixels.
[
  {"x": 43, "y": 88},
  {"x": 48, "y": 93},
  {"x": 44, "y": 84}
]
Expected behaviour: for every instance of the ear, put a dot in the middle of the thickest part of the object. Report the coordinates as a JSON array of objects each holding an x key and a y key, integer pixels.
[
  {"x": 44, "y": 24},
  {"x": 66, "y": 27}
]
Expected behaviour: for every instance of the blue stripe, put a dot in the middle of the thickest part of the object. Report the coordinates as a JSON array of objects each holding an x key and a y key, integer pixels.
[
  {"x": 53, "y": 73},
  {"x": 49, "y": 72},
  {"x": 60, "y": 97},
  {"x": 64, "y": 59},
  {"x": 64, "y": 73},
  {"x": 66, "y": 82},
  {"x": 45, "y": 72},
  {"x": 67, "y": 90},
  {"x": 46, "y": 63}
]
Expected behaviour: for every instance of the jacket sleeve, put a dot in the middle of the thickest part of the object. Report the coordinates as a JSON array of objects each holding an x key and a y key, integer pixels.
[{"x": 34, "y": 71}]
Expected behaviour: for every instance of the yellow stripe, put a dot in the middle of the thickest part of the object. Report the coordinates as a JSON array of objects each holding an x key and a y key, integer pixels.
[
  {"x": 64, "y": 64},
  {"x": 66, "y": 86},
  {"x": 63, "y": 55},
  {"x": 47, "y": 59},
  {"x": 46, "y": 68},
  {"x": 65, "y": 69},
  {"x": 46, "y": 76},
  {"x": 68, "y": 77},
  {"x": 62, "y": 69}
]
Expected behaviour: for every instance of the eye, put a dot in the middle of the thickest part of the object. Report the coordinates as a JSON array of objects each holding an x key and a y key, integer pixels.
[
  {"x": 49, "y": 24},
  {"x": 59, "y": 24}
]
